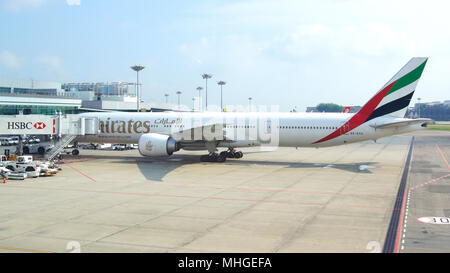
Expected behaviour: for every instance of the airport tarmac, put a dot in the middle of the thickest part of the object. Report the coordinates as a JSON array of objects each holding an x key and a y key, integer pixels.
[
  {"x": 337, "y": 199},
  {"x": 427, "y": 195}
]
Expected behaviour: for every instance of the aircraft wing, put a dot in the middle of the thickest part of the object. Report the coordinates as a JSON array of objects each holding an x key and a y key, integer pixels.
[{"x": 396, "y": 123}]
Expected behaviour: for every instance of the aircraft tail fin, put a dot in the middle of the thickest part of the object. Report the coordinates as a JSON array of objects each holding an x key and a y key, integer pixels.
[
  {"x": 392, "y": 100},
  {"x": 395, "y": 96}
]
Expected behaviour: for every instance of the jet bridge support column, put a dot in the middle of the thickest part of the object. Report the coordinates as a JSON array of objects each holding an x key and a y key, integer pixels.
[{"x": 60, "y": 124}]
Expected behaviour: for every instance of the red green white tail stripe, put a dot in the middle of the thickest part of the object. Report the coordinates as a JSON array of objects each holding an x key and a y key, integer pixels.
[{"x": 392, "y": 100}]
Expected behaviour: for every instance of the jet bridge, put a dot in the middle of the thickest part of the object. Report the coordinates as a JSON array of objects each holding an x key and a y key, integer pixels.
[
  {"x": 64, "y": 128},
  {"x": 57, "y": 125}
]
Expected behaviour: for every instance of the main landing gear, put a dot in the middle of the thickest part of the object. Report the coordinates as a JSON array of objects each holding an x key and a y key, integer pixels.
[
  {"x": 231, "y": 153},
  {"x": 222, "y": 157},
  {"x": 214, "y": 157}
]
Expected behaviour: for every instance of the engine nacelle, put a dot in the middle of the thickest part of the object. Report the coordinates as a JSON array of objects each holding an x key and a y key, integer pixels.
[{"x": 157, "y": 145}]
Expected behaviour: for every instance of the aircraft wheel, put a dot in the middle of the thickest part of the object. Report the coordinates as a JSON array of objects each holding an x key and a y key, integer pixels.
[
  {"x": 213, "y": 157},
  {"x": 239, "y": 154},
  {"x": 221, "y": 158}
]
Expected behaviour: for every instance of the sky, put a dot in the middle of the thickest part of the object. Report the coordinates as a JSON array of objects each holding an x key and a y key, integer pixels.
[{"x": 288, "y": 53}]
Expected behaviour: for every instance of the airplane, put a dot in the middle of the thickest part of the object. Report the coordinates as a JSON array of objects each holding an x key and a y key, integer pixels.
[
  {"x": 346, "y": 109},
  {"x": 160, "y": 134}
]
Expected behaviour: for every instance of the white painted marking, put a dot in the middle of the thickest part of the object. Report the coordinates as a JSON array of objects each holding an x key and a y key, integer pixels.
[{"x": 435, "y": 220}]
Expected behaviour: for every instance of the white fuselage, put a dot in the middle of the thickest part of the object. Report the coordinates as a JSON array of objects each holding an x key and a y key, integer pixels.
[{"x": 241, "y": 129}]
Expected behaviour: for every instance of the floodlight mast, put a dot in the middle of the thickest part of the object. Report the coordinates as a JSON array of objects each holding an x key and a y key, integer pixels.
[
  {"x": 138, "y": 68},
  {"x": 221, "y": 83},
  {"x": 418, "y": 107},
  {"x": 206, "y": 77},
  {"x": 179, "y": 94},
  {"x": 199, "y": 98}
]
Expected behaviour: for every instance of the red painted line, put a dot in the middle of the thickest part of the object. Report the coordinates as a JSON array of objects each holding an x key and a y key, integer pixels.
[
  {"x": 23, "y": 250},
  {"x": 202, "y": 197},
  {"x": 400, "y": 222},
  {"x": 83, "y": 174},
  {"x": 443, "y": 157},
  {"x": 278, "y": 191},
  {"x": 79, "y": 160},
  {"x": 429, "y": 181}
]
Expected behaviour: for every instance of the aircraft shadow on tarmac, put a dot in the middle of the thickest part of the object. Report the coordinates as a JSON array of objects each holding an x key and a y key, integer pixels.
[
  {"x": 155, "y": 169},
  {"x": 359, "y": 167}
]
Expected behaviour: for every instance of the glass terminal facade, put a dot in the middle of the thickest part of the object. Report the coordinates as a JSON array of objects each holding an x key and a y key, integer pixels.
[{"x": 37, "y": 109}]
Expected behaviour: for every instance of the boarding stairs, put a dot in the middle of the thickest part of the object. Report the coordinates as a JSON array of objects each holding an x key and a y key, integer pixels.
[
  {"x": 69, "y": 128},
  {"x": 59, "y": 146}
]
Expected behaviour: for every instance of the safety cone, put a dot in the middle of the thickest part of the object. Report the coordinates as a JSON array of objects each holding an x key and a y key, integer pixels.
[{"x": 4, "y": 180}]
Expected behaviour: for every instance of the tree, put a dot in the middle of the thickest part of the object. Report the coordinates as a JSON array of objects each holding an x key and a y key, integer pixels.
[{"x": 329, "y": 107}]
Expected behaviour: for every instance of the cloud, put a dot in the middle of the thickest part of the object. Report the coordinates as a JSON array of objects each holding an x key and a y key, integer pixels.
[
  {"x": 50, "y": 62},
  {"x": 9, "y": 60},
  {"x": 370, "y": 39},
  {"x": 19, "y": 5},
  {"x": 73, "y": 2}
]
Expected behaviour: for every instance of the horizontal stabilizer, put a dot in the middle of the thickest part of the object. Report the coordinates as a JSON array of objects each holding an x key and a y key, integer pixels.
[{"x": 391, "y": 124}]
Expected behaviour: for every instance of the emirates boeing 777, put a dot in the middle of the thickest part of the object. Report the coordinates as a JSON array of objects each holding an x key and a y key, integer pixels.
[{"x": 160, "y": 134}]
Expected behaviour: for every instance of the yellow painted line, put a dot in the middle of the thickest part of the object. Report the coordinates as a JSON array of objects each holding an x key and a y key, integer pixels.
[{"x": 23, "y": 250}]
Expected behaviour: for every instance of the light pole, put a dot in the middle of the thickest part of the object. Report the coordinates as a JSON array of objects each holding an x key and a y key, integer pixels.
[
  {"x": 418, "y": 107},
  {"x": 221, "y": 83},
  {"x": 138, "y": 68},
  {"x": 206, "y": 77},
  {"x": 250, "y": 104},
  {"x": 167, "y": 98},
  {"x": 193, "y": 104},
  {"x": 199, "y": 98},
  {"x": 179, "y": 94}
]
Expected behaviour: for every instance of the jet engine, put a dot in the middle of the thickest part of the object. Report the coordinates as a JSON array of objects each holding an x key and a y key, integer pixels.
[{"x": 157, "y": 145}]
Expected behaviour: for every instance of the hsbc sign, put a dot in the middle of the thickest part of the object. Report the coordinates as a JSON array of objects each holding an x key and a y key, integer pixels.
[
  {"x": 28, "y": 125},
  {"x": 39, "y": 125},
  {"x": 25, "y": 125}
]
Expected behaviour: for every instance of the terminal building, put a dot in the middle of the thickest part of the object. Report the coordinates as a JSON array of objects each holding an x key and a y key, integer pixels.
[
  {"x": 35, "y": 97},
  {"x": 40, "y": 97},
  {"x": 95, "y": 91}
]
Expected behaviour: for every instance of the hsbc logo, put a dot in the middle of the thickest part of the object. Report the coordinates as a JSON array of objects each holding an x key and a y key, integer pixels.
[
  {"x": 39, "y": 125},
  {"x": 26, "y": 125}
]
